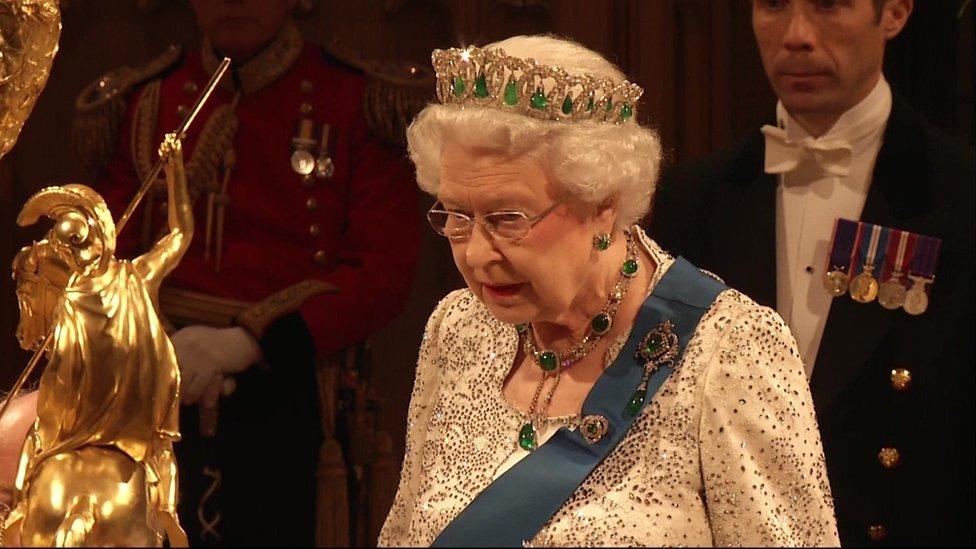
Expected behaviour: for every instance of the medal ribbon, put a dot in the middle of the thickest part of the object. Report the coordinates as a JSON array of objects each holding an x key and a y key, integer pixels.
[
  {"x": 899, "y": 244},
  {"x": 845, "y": 236},
  {"x": 930, "y": 252},
  {"x": 304, "y": 130},
  {"x": 918, "y": 259},
  {"x": 324, "y": 141},
  {"x": 858, "y": 241},
  {"x": 877, "y": 234}
]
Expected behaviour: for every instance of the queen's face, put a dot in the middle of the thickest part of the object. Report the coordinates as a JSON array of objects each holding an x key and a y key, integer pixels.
[{"x": 533, "y": 278}]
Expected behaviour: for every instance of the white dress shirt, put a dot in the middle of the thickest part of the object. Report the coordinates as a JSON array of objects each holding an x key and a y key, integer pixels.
[{"x": 809, "y": 199}]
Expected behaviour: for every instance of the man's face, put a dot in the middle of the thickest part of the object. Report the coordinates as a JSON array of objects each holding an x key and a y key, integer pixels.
[
  {"x": 823, "y": 56},
  {"x": 241, "y": 28}
]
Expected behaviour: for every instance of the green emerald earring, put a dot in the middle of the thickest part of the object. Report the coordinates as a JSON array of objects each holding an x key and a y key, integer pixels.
[{"x": 602, "y": 241}]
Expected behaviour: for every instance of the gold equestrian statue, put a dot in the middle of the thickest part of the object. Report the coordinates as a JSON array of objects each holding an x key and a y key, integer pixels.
[{"x": 97, "y": 468}]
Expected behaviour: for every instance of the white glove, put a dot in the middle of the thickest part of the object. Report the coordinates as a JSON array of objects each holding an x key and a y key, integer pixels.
[{"x": 207, "y": 354}]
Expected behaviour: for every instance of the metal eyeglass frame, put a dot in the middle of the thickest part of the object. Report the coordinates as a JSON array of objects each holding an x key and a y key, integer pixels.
[{"x": 485, "y": 221}]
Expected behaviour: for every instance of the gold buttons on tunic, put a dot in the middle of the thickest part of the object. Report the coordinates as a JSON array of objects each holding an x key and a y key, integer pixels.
[
  {"x": 901, "y": 378},
  {"x": 308, "y": 181},
  {"x": 320, "y": 257},
  {"x": 190, "y": 87},
  {"x": 306, "y": 108},
  {"x": 181, "y": 110},
  {"x": 877, "y": 532},
  {"x": 314, "y": 230},
  {"x": 889, "y": 457},
  {"x": 311, "y": 204},
  {"x": 306, "y": 86}
]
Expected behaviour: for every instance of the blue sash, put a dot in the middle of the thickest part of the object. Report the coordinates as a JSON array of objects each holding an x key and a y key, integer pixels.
[{"x": 521, "y": 501}]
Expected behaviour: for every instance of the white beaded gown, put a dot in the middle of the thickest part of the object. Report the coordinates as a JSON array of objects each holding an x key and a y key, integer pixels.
[{"x": 727, "y": 453}]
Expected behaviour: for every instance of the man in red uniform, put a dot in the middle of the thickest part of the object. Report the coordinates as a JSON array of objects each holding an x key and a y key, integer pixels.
[{"x": 293, "y": 198}]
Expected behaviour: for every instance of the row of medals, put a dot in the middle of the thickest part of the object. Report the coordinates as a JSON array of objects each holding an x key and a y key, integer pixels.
[
  {"x": 308, "y": 137},
  {"x": 891, "y": 294}
]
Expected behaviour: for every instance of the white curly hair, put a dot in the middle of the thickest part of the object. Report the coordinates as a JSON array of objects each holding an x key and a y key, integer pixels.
[{"x": 592, "y": 161}]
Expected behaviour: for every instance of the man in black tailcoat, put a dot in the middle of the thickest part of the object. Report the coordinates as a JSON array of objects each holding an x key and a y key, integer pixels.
[{"x": 893, "y": 391}]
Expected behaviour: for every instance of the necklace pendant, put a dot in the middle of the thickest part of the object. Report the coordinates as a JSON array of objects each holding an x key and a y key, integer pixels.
[
  {"x": 636, "y": 401},
  {"x": 526, "y": 438}
]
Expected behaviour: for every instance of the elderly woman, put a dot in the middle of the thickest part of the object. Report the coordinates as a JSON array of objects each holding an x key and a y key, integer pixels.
[{"x": 587, "y": 388}]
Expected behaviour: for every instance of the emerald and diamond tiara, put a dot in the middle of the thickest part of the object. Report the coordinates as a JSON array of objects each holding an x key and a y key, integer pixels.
[{"x": 489, "y": 77}]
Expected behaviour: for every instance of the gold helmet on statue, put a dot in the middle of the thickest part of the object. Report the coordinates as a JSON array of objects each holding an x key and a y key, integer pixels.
[{"x": 81, "y": 241}]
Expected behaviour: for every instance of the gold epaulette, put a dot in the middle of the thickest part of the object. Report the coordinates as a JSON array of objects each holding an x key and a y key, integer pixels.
[
  {"x": 100, "y": 107},
  {"x": 395, "y": 92}
]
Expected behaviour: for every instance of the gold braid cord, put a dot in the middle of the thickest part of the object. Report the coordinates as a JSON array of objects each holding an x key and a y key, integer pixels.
[
  {"x": 202, "y": 170},
  {"x": 144, "y": 128},
  {"x": 210, "y": 526},
  {"x": 100, "y": 108},
  {"x": 257, "y": 318},
  {"x": 215, "y": 139}
]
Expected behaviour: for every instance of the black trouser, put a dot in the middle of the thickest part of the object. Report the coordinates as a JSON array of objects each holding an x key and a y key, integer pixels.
[{"x": 266, "y": 450}]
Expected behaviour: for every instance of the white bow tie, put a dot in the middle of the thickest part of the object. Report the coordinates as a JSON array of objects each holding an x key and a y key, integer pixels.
[{"x": 783, "y": 155}]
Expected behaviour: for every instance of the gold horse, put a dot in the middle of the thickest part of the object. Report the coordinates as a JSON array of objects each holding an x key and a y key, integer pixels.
[{"x": 97, "y": 468}]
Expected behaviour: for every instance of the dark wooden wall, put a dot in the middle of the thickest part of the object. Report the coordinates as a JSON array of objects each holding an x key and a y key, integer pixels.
[{"x": 696, "y": 60}]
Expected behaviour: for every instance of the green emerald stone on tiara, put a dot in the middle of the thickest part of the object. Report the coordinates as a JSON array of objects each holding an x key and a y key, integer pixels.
[
  {"x": 548, "y": 361},
  {"x": 609, "y": 105},
  {"x": 480, "y": 86},
  {"x": 511, "y": 93},
  {"x": 629, "y": 268},
  {"x": 538, "y": 100},
  {"x": 626, "y": 112},
  {"x": 591, "y": 104},
  {"x": 458, "y": 86},
  {"x": 567, "y": 105}
]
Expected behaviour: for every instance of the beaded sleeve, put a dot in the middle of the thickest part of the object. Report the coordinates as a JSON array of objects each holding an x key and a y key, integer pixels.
[
  {"x": 395, "y": 530},
  {"x": 762, "y": 461}
]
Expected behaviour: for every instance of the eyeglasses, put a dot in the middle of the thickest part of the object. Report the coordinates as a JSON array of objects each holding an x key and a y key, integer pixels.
[{"x": 508, "y": 225}]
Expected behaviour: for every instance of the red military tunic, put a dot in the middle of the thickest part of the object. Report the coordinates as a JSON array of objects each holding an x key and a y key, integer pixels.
[{"x": 357, "y": 230}]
